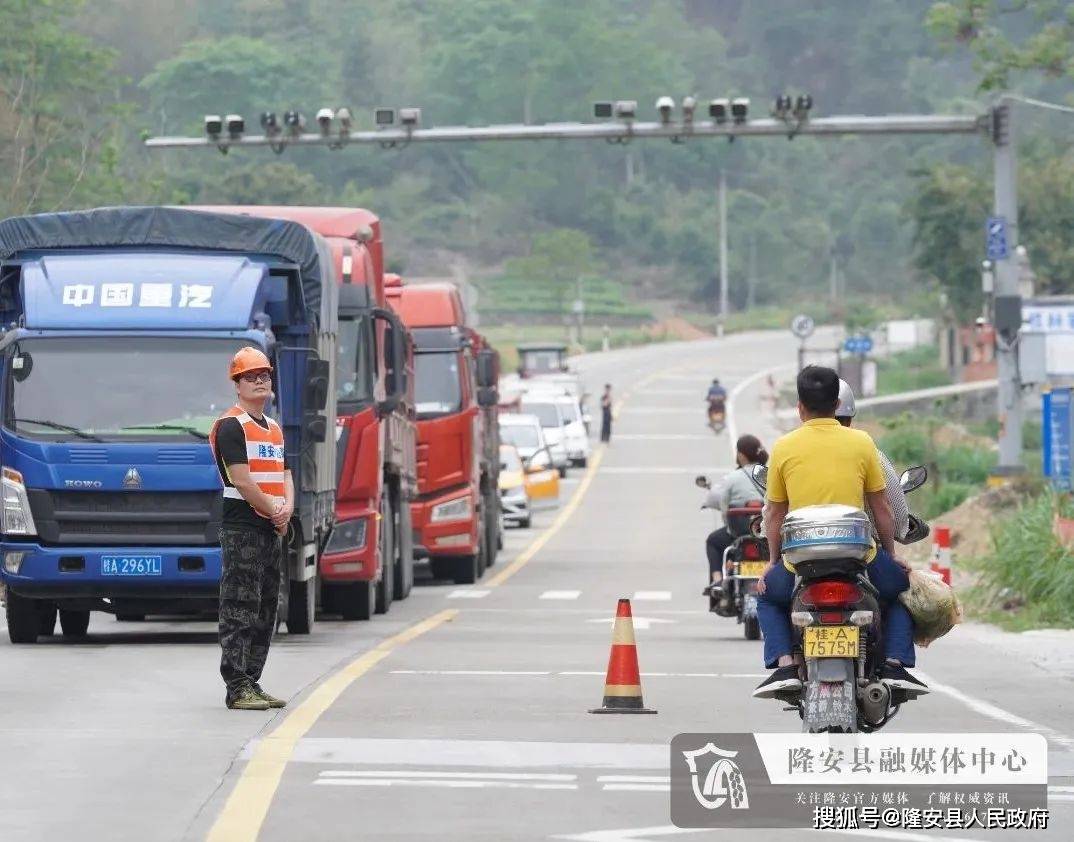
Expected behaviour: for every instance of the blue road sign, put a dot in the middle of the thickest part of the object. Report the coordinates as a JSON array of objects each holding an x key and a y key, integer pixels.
[
  {"x": 858, "y": 344},
  {"x": 996, "y": 238},
  {"x": 1057, "y": 432}
]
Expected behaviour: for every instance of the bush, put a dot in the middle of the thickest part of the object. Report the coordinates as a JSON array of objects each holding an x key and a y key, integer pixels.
[
  {"x": 962, "y": 463},
  {"x": 906, "y": 445},
  {"x": 931, "y": 502}
]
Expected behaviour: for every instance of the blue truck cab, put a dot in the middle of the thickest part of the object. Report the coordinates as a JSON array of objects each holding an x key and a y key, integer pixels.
[{"x": 116, "y": 329}]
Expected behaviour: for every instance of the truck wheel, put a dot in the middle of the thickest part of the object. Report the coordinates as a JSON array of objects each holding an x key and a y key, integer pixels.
[
  {"x": 465, "y": 569},
  {"x": 74, "y": 623},
  {"x": 356, "y": 600},
  {"x": 563, "y": 472},
  {"x": 46, "y": 618},
  {"x": 526, "y": 522},
  {"x": 386, "y": 585},
  {"x": 442, "y": 568},
  {"x": 131, "y": 618},
  {"x": 301, "y": 606},
  {"x": 752, "y": 627},
  {"x": 583, "y": 462},
  {"x": 404, "y": 551},
  {"x": 23, "y": 620}
]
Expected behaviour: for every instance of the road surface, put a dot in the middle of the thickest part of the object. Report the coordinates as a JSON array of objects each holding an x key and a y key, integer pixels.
[{"x": 463, "y": 713}]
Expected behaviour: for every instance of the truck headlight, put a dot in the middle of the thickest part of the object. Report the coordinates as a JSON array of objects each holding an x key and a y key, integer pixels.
[
  {"x": 454, "y": 510},
  {"x": 347, "y": 535},
  {"x": 17, "y": 517}
]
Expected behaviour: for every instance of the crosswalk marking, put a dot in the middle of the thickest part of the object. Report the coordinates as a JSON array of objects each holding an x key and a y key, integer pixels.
[
  {"x": 498, "y": 776},
  {"x": 652, "y": 596},
  {"x": 468, "y": 593},
  {"x": 561, "y": 595}
]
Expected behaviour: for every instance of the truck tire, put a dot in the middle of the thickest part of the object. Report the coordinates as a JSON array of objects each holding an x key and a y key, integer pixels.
[
  {"x": 386, "y": 538},
  {"x": 752, "y": 627},
  {"x": 466, "y": 569},
  {"x": 356, "y": 600},
  {"x": 23, "y": 619},
  {"x": 130, "y": 618},
  {"x": 563, "y": 472},
  {"x": 74, "y": 623},
  {"x": 442, "y": 568},
  {"x": 404, "y": 551},
  {"x": 46, "y": 618},
  {"x": 526, "y": 522},
  {"x": 301, "y": 606},
  {"x": 492, "y": 529}
]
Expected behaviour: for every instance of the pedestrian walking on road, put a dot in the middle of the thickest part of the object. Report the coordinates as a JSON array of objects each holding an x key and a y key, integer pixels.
[
  {"x": 606, "y": 414},
  {"x": 259, "y": 497}
]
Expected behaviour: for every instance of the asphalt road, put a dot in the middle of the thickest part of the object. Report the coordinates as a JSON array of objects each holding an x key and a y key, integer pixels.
[{"x": 462, "y": 714}]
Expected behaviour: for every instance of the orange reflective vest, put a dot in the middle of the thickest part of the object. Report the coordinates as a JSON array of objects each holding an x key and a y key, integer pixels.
[{"x": 264, "y": 455}]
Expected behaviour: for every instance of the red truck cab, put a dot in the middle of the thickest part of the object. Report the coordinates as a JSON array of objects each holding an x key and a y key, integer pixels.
[
  {"x": 456, "y": 515},
  {"x": 368, "y": 559}
]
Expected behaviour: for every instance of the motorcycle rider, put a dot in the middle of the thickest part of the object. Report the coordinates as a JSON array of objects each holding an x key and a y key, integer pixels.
[
  {"x": 819, "y": 463},
  {"x": 717, "y": 399},
  {"x": 737, "y": 490}
]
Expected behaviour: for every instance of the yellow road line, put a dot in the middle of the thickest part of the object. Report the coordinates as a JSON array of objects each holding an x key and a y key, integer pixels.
[
  {"x": 561, "y": 519},
  {"x": 249, "y": 802}
]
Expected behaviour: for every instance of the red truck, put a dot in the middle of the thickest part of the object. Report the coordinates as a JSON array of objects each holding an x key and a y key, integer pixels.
[
  {"x": 369, "y": 559},
  {"x": 456, "y": 515}
]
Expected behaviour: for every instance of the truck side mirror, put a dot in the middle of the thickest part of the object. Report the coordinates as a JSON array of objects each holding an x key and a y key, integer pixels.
[
  {"x": 315, "y": 395},
  {"x": 486, "y": 368},
  {"x": 488, "y": 396},
  {"x": 394, "y": 361},
  {"x": 317, "y": 428}
]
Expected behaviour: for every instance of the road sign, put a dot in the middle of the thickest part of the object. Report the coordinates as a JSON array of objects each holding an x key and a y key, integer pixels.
[
  {"x": 858, "y": 344},
  {"x": 1057, "y": 431},
  {"x": 802, "y": 326},
  {"x": 996, "y": 240}
]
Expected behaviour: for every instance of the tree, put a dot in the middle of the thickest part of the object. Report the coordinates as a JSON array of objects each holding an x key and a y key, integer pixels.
[{"x": 558, "y": 259}]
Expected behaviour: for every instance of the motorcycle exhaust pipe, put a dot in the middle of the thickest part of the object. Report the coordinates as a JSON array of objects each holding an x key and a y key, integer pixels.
[{"x": 875, "y": 700}]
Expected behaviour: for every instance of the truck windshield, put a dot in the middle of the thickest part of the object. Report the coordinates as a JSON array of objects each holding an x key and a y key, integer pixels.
[
  {"x": 354, "y": 365},
  {"x": 437, "y": 384},
  {"x": 546, "y": 413},
  {"x": 117, "y": 389}
]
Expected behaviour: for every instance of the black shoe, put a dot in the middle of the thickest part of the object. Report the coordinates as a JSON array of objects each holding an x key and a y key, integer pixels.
[
  {"x": 781, "y": 681},
  {"x": 897, "y": 677}
]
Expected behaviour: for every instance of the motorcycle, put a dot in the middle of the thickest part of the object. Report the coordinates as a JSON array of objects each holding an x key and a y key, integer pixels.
[
  {"x": 836, "y": 615},
  {"x": 743, "y": 564},
  {"x": 717, "y": 416}
]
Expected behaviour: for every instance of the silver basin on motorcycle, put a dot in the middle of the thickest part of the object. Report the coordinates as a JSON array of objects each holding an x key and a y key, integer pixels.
[{"x": 826, "y": 532}]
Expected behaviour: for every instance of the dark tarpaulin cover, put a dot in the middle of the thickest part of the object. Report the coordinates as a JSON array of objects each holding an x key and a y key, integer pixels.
[{"x": 160, "y": 226}]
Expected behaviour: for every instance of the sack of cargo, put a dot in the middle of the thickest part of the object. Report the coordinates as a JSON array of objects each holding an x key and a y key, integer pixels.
[{"x": 932, "y": 604}]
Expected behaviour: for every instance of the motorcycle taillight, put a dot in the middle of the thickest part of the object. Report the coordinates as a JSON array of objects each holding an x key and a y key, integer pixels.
[
  {"x": 830, "y": 594},
  {"x": 751, "y": 550}
]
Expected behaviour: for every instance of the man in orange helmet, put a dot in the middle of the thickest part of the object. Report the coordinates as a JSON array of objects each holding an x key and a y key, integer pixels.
[{"x": 259, "y": 497}]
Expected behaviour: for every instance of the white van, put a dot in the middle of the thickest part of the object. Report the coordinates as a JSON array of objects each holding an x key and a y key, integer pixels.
[
  {"x": 554, "y": 424},
  {"x": 527, "y": 434},
  {"x": 575, "y": 435}
]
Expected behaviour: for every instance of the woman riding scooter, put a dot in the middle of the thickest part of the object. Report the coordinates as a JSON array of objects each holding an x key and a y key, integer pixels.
[{"x": 736, "y": 491}]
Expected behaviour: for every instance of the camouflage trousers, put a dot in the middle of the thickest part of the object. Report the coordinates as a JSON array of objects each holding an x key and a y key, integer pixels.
[{"x": 249, "y": 591}]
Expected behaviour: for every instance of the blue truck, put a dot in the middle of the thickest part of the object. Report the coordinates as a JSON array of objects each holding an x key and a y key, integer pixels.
[{"x": 116, "y": 327}]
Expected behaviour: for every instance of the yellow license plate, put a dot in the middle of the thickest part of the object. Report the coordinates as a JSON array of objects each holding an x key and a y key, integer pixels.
[
  {"x": 753, "y": 569},
  {"x": 831, "y": 642}
]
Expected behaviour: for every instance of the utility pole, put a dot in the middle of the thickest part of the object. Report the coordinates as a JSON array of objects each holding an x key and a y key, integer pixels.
[
  {"x": 723, "y": 247},
  {"x": 751, "y": 289},
  {"x": 1007, "y": 315},
  {"x": 833, "y": 279}
]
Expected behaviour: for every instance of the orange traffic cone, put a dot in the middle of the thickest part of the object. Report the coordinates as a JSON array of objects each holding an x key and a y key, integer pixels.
[{"x": 622, "y": 688}]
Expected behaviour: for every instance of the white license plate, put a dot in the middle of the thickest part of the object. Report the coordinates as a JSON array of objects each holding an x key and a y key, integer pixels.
[{"x": 130, "y": 565}]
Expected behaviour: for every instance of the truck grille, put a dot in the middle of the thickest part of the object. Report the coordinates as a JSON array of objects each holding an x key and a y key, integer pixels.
[{"x": 127, "y": 517}]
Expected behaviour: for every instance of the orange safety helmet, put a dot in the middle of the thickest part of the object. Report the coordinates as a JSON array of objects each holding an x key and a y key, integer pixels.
[{"x": 248, "y": 359}]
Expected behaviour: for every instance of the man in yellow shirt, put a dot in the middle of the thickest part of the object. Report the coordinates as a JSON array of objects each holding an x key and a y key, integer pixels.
[{"x": 824, "y": 462}]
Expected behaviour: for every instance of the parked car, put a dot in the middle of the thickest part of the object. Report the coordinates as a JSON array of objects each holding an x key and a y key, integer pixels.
[
  {"x": 575, "y": 432},
  {"x": 541, "y": 477},
  {"x": 514, "y": 499},
  {"x": 554, "y": 424}
]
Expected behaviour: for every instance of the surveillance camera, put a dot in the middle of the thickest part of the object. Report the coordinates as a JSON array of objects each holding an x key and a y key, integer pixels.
[
  {"x": 719, "y": 109},
  {"x": 802, "y": 106},
  {"x": 235, "y": 125},
  {"x": 410, "y": 117},
  {"x": 213, "y": 125},
  {"x": 689, "y": 105},
  {"x": 270, "y": 123},
  {"x": 626, "y": 109},
  {"x": 603, "y": 110},
  {"x": 740, "y": 108},
  {"x": 294, "y": 121},
  {"x": 345, "y": 120},
  {"x": 384, "y": 117},
  {"x": 781, "y": 107},
  {"x": 324, "y": 120},
  {"x": 665, "y": 105}
]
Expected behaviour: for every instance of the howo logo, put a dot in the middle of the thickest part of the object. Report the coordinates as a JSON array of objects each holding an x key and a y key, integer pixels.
[{"x": 83, "y": 483}]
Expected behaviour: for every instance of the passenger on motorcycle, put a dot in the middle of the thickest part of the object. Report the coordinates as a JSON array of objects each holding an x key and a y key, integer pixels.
[
  {"x": 824, "y": 462},
  {"x": 736, "y": 491}
]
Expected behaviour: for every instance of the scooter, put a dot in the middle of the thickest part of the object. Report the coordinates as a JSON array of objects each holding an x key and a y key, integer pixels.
[
  {"x": 717, "y": 416},
  {"x": 836, "y": 615}
]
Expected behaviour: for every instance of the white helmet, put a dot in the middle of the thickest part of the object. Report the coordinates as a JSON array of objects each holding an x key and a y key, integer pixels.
[{"x": 846, "y": 408}]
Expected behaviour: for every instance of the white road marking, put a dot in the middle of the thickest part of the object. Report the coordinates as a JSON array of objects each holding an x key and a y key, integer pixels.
[
  {"x": 443, "y": 784},
  {"x": 685, "y": 469},
  {"x": 634, "y": 834},
  {"x": 999, "y": 714},
  {"x": 470, "y": 672},
  {"x": 642, "y": 623},
  {"x": 636, "y": 788},
  {"x": 662, "y": 437},
  {"x": 468, "y": 593},
  {"x": 564, "y": 595},
  {"x": 495, "y": 776},
  {"x": 634, "y": 779},
  {"x": 652, "y": 596},
  {"x": 1061, "y": 789},
  {"x": 577, "y": 673},
  {"x": 732, "y": 427},
  {"x": 899, "y": 835}
]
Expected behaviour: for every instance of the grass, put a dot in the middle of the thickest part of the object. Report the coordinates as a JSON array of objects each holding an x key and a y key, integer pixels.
[
  {"x": 602, "y": 297},
  {"x": 906, "y": 371},
  {"x": 1027, "y": 581}
]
